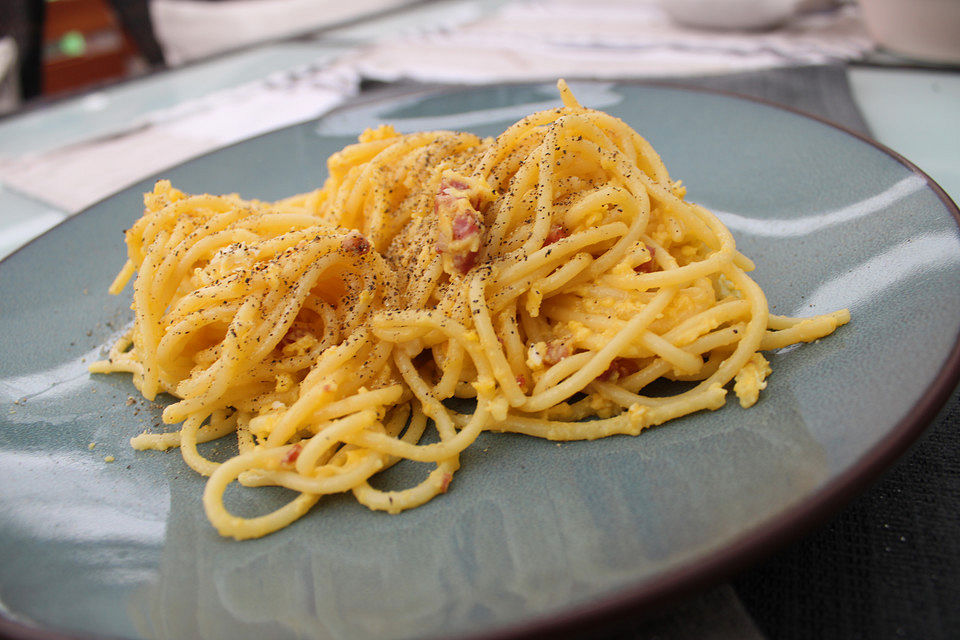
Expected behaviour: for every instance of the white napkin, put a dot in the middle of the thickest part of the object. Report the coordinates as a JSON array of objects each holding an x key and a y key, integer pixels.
[{"x": 76, "y": 176}]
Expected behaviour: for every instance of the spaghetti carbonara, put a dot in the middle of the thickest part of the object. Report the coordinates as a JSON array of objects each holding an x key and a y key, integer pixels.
[{"x": 551, "y": 273}]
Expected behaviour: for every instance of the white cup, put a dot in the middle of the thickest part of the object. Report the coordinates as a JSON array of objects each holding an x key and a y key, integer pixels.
[
  {"x": 750, "y": 15},
  {"x": 923, "y": 29}
]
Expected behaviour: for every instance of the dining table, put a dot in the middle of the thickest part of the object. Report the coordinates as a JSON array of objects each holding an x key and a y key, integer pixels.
[{"x": 882, "y": 562}]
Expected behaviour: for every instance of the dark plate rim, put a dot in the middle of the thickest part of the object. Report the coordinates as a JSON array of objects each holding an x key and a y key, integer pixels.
[{"x": 698, "y": 574}]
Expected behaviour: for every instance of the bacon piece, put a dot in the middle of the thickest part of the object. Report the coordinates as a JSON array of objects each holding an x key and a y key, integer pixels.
[
  {"x": 557, "y": 350},
  {"x": 459, "y": 224},
  {"x": 355, "y": 243},
  {"x": 646, "y": 267},
  {"x": 619, "y": 368},
  {"x": 464, "y": 226},
  {"x": 445, "y": 482},
  {"x": 292, "y": 454},
  {"x": 444, "y": 200},
  {"x": 463, "y": 262},
  {"x": 557, "y": 232},
  {"x": 452, "y": 184},
  {"x": 522, "y": 382}
]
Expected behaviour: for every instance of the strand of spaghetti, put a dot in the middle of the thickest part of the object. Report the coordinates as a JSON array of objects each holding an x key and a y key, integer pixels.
[
  {"x": 161, "y": 287},
  {"x": 592, "y": 202},
  {"x": 508, "y": 295},
  {"x": 806, "y": 330},
  {"x": 442, "y": 324},
  {"x": 118, "y": 284},
  {"x": 407, "y": 424},
  {"x": 351, "y": 404},
  {"x": 349, "y": 201},
  {"x": 639, "y": 209},
  {"x": 746, "y": 347},
  {"x": 354, "y": 154},
  {"x": 245, "y": 441},
  {"x": 490, "y": 344},
  {"x": 239, "y": 528},
  {"x": 556, "y": 252},
  {"x": 556, "y": 280},
  {"x": 396, "y": 501},
  {"x": 510, "y": 138},
  {"x": 204, "y": 297},
  {"x": 672, "y": 277},
  {"x": 752, "y": 333},
  {"x": 434, "y": 452},
  {"x": 118, "y": 353},
  {"x": 777, "y": 322},
  {"x": 276, "y": 223},
  {"x": 542, "y": 212},
  {"x": 601, "y": 359},
  {"x": 509, "y": 331},
  {"x": 220, "y": 424},
  {"x": 638, "y": 205},
  {"x": 328, "y": 437},
  {"x": 523, "y": 183},
  {"x": 180, "y": 332},
  {"x": 451, "y": 368},
  {"x": 237, "y": 354},
  {"x": 431, "y": 406},
  {"x": 282, "y": 242},
  {"x": 708, "y": 342},
  {"x": 682, "y": 361},
  {"x": 423, "y": 287},
  {"x": 164, "y": 441},
  {"x": 628, "y": 423},
  {"x": 356, "y": 470},
  {"x": 202, "y": 390},
  {"x": 203, "y": 241},
  {"x": 257, "y": 477},
  {"x": 555, "y": 374},
  {"x": 147, "y": 323},
  {"x": 205, "y": 247},
  {"x": 705, "y": 321},
  {"x": 318, "y": 391},
  {"x": 384, "y": 218}
]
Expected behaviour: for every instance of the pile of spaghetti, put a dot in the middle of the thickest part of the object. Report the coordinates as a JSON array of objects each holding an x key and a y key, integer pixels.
[{"x": 552, "y": 274}]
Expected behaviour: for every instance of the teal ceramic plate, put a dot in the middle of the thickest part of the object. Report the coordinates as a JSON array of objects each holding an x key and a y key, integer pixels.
[{"x": 533, "y": 537}]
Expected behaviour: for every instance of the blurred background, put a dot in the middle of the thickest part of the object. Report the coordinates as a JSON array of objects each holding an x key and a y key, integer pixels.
[
  {"x": 51, "y": 48},
  {"x": 60, "y": 46}
]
